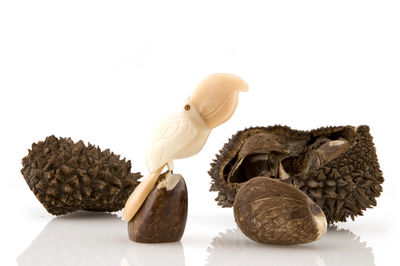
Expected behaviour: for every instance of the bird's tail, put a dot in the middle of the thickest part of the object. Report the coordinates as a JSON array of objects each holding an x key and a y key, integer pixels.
[{"x": 140, "y": 194}]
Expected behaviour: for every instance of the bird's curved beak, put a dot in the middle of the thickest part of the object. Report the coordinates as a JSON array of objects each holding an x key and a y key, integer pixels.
[{"x": 216, "y": 97}]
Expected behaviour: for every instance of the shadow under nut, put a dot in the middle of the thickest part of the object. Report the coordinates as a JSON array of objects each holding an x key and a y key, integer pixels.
[
  {"x": 270, "y": 211},
  {"x": 162, "y": 217}
]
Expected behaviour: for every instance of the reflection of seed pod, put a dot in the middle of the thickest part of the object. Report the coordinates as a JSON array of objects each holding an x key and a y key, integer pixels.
[
  {"x": 162, "y": 217},
  {"x": 67, "y": 176},
  {"x": 270, "y": 211},
  {"x": 231, "y": 247},
  {"x": 78, "y": 239},
  {"x": 336, "y": 167}
]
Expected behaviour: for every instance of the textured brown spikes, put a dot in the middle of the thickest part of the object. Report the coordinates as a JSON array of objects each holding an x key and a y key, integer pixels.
[
  {"x": 67, "y": 176},
  {"x": 336, "y": 167}
]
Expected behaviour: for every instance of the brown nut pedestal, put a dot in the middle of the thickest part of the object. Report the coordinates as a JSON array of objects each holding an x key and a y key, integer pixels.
[
  {"x": 162, "y": 217},
  {"x": 272, "y": 212}
]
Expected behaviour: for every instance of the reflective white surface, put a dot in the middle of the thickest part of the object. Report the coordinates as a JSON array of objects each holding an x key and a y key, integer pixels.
[
  {"x": 86, "y": 238},
  {"x": 338, "y": 247},
  {"x": 106, "y": 72}
]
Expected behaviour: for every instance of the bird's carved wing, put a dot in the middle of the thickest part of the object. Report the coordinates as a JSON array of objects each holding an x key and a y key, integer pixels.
[{"x": 168, "y": 140}]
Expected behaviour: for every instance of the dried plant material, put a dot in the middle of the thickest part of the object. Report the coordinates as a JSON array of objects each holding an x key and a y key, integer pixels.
[
  {"x": 67, "y": 176},
  {"x": 272, "y": 212},
  {"x": 336, "y": 167},
  {"x": 162, "y": 217}
]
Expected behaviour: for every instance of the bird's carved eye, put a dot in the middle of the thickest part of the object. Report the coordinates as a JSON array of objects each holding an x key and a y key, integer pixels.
[{"x": 187, "y": 107}]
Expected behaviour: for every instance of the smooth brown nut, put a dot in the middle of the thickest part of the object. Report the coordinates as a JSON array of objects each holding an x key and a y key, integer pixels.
[
  {"x": 270, "y": 211},
  {"x": 162, "y": 217}
]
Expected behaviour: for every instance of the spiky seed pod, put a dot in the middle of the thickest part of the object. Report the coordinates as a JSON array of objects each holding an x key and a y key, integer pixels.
[
  {"x": 272, "y": 212},
  {"x": 67, "y": 176},
  {"x": 336, "y": 167}
]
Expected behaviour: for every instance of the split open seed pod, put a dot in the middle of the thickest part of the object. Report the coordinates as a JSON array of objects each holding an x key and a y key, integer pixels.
[
  {"x": 336, "y": 167},
  {"x": 272, "y": 212}
]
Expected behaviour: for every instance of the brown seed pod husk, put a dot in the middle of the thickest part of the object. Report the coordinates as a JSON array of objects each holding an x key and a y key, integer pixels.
[
  {"x": 337, "y": 167},
  {"x": 162, "y": 217},
  {"x": 272, "y": 212},
  {"x": 67, "y": 176}
]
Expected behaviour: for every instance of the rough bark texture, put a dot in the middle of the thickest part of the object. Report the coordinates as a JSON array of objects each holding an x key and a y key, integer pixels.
[{"x": 162, "y": 217}]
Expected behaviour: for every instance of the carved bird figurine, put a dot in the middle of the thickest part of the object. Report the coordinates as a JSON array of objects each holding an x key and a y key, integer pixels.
[{"x": 185, "y": 132}]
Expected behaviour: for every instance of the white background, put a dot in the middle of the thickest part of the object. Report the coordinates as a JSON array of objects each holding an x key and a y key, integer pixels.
[{"x": 107, "y": 71}]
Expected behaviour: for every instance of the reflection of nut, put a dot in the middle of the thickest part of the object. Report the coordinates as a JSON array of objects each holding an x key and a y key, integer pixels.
[
  {"x": 162, "y": 217},
  {"x": 273, "y": 212}
]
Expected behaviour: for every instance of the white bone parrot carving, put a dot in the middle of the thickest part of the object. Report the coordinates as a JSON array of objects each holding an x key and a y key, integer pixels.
[{"x": 185, "y": 132}]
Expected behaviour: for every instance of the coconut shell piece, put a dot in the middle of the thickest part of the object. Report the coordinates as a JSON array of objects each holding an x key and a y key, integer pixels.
[
  {"x": 272, "y": 212},
  {"x": 67, "y": 176},
  {"x": 162, "y": 217},
  {"x": 337, "y": 167}
]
